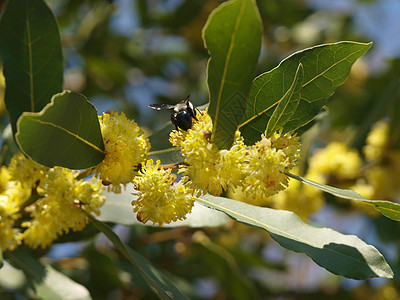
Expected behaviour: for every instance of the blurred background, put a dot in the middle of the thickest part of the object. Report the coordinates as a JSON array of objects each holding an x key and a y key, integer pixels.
[{"x": 126, "y": 54}]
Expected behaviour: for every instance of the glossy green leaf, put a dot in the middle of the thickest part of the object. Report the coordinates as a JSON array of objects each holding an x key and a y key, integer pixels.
[
  {"x": 161, "y": 148},
  {"x": 166, "y": 156},
  {"x": 325, "y": 68},
  {"x": 232, "y": 36},
  {"x": 65, "y": 133},
  {"x": 160, "y": 283},
  {"x": 387, "y": 208},
  {"x": 341, "y": 254},
  {"x": 287, "y": 105},
  {"x": 118, "y": 209},
  {"x": 159, "y": 140},
  {"x": 47, "y": 282},
  {"x": 30, "y": 48}
]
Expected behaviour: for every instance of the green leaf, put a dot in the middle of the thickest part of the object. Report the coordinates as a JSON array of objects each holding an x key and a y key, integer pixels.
[
  {"x": 160, "y": 283},
  {"x": 47, "y": 282},
  {"x": 118, "y": 209},
  {"x": 325, "y": 68},
  {"x": 232, "y": 36},
  {"x": 287, "y": 105},
  {"x": 159, "y": 140},
  {"x": 387, "y": 208},
  {"x": 161, "y": 148},
  {"x": 65, "y": 133},
  {"x": 30, "y": 48},
  {"x": 344, "y": 255}
]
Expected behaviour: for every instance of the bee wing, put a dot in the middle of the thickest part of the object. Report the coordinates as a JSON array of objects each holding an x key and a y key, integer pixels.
[{"x": 161, "y": 106}]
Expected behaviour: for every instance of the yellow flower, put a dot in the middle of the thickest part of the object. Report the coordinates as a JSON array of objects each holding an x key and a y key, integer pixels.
[
  {"x": 337, "y": 160},
  {"x": 60, "y": 208},
  {"x": 159, "y": 199},
  {"x": 377, "y": 141},
  {"x": 200, "y": 154},
  {"x": 12, "y": 195},
  {"x": 268, "y": 159},
  {"x": 9, "y": 236},
  {"x": 126, "y": 147},
  {"x": 25, "y": 170},
  {"x": 257, "y": 169}
]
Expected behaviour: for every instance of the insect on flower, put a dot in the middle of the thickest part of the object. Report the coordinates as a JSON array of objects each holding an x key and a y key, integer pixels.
[{"x": 182, "y": 114}]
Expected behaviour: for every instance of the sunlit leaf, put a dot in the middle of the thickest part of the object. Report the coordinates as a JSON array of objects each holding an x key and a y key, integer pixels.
[
  {"x": 341, "y": 254},
  {"x": 287, "y": 105},
  {"x": 232, "y": 36},
  {"x": 30, "y": 48},
  {"x": 387, "y": 208},
  {"x": 160, "y": 283},
  {"x": 65, "y": 133},
  {"x": 325, "y": 68}
]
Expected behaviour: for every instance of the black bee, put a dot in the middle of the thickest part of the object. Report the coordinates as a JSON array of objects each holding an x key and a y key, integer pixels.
[{"x": 182, "y": 115}]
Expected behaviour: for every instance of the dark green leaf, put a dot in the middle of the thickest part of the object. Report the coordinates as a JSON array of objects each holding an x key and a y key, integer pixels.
[
  {"x": 159, "y": 140},
  {"x": 287, "y": 105},
  {"x": 232, "y": 36},
  {"x": 65, "y": 133},
  {"x": 325, "y": 68},
  {"x": 47, "y": 282},
  {"x": 118, "y": 209},
  {"x": 387, "y": 208},
  {"x": 161, "y": 148},
  {"x": 166, "y": 156},
  {"x": 161, "y": 284},
  {"x": 30, "y": 48},
  {"x": 344, "y": 255}
]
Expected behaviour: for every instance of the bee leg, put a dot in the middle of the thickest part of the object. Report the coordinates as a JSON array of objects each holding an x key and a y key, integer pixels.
[{"x": 174, "y": 121}]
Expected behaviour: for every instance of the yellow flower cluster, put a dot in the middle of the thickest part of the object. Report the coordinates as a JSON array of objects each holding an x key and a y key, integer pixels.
[
  {"x": 336, "y": 160},
  {"x": 57, "y": 209},
  {"x": 126, "y": 148},
  {"x": 384, "y": 164},
  {"x": 159, "y": 199},
  {"x": 377, "y": 141},
  {"x": 258, "y": 169},
  {"x": 12, "y": 195},
  {"x": 267, "y": 161}
]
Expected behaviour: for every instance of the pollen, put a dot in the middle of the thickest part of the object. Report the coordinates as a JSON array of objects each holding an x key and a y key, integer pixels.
[
  {"x": 126, "y": 148},
  {"x": 159, "y": 199}
]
